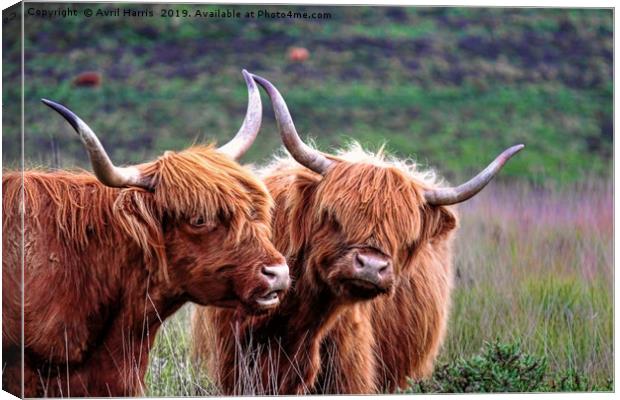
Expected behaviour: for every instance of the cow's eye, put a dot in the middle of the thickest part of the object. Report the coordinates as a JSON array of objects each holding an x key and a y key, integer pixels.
[
  {"x": 198, "y": 221},
  {"x": 202, "y": 223},
  {"x": 333, "y": 221}
]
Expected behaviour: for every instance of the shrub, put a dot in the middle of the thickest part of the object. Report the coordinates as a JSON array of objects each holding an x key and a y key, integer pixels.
[{"x": 502, "y": 368}]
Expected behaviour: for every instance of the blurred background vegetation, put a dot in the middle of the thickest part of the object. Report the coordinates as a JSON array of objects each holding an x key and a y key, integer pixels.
[{"x": 450, "y": 87}]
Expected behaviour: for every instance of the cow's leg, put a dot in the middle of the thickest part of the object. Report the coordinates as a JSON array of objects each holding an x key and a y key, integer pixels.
[
  {"x": 348, "y": 362},
  {"x": 12, "y": 372},
  {"x": 410, "y": 326}
]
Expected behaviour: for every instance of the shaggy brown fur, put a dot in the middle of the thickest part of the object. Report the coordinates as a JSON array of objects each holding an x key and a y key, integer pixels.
[
  {"x": 327, "y": 336},
  {"x": 104, "y": 267}
]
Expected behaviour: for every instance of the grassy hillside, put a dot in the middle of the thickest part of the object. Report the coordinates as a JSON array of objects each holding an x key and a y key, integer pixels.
[{"x": 449, "y": 86}]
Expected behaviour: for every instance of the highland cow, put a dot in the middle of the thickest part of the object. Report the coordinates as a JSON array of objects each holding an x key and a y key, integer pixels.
[
  {"x": 298, "y": 54},
  {"x": 107, "y": 258},
  {"x": 88, "y": 79},
  {"x": 368, "y": 240}
]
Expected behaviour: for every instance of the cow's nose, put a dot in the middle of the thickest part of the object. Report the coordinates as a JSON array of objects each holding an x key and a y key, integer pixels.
[
  {"x": 277, "y": 276},
  {"x": 372, "y": 266}
]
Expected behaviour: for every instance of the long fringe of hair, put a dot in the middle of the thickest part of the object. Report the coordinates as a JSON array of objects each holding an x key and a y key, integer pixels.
[{"x": 198, "y": 181}]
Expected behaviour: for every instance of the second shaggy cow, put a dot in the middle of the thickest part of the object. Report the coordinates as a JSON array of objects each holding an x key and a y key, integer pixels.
[{"x": 368, "y": 242}]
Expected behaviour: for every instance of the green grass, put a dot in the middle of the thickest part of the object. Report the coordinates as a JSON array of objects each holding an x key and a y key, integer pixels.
[{"x": 171, "y": 371}]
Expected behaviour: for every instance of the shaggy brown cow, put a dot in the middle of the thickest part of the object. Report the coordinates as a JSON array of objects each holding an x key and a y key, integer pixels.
[
  {"x": 353, "y": 227},
  {"x": 106, "y": 259}
]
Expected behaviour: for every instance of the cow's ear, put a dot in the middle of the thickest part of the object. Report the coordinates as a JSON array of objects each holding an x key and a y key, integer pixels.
[{"x": 438, "y": 222}]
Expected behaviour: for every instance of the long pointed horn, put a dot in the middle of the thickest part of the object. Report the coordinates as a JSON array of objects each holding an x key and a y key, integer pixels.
[
  {"x": 251, "y": 124},
  {"x": 106, "y": 172},
  {"x": 447, "y": 196},
  {"x": 300, "y": 151}
]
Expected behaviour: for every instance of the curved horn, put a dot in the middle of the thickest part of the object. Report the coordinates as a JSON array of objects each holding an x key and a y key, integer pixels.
[
  {"x": 106, "y": 172},
  {"x": 300, "y": 151},
  {"x": 447, "y": 196},
  {"x": 251, "y": 124}
]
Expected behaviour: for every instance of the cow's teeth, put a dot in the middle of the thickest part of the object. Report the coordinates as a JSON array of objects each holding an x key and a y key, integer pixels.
[{"x": 268, "y": 300}]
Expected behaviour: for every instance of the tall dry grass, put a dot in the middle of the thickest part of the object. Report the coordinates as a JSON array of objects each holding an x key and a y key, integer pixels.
[
  {"x": 533, "y": 265},
  {"x": 537, "y": 265}
]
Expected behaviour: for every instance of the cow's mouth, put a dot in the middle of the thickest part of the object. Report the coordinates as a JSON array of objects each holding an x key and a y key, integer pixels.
[
  {"x": 364, "y": 289},
  {"x": 269, "y": 300}
]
